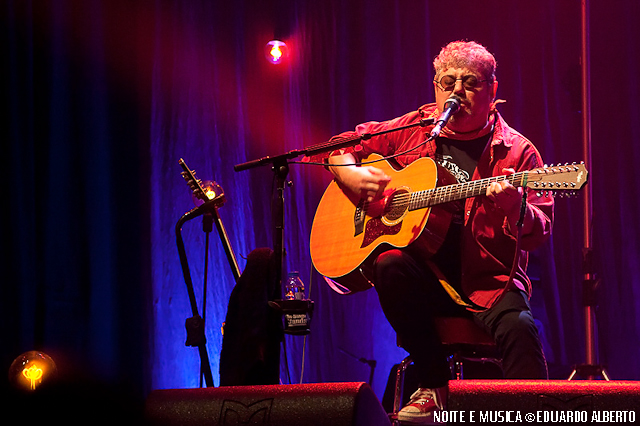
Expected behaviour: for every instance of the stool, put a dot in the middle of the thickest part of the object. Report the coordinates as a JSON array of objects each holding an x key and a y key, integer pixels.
[{"x": 463, "y": 340}]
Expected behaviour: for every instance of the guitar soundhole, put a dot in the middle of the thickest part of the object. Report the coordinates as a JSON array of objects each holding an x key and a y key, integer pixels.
[{"x": 397, "y": 206}]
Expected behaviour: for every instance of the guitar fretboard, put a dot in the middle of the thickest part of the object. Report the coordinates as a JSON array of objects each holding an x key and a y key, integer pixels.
[{"x": 460, "y": 191}]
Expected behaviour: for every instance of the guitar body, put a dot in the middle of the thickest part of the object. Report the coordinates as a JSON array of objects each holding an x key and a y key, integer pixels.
[{"x": 348, "y": 233}]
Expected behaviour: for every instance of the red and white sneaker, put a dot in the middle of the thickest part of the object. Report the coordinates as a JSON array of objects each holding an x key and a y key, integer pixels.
[{"x": 423, "y": 403}]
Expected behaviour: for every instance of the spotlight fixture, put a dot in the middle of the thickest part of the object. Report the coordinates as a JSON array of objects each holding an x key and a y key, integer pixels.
[{"x": 276, "y": 51}]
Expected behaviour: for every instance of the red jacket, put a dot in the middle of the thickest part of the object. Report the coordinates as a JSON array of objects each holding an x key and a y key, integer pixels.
[{"x": 488, "y": 244}]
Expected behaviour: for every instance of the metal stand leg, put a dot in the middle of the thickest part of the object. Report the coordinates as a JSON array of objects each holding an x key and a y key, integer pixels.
[
  {"x": 397, "y": 397},
  {"x": 456, "y": 366}
]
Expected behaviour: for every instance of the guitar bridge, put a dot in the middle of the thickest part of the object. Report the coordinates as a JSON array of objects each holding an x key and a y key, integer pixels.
[{"x": 358, "y": 218}]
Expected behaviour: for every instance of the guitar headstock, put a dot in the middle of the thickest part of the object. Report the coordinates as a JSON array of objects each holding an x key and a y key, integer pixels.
[
  {"x": 558, "y": 178},
  {"x": 199, "y": 190}
]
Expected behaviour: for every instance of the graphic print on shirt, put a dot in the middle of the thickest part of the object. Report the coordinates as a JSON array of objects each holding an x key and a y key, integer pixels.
[
  {"x": 461, "y": 176},
  {"x": 446, "y": 161}
]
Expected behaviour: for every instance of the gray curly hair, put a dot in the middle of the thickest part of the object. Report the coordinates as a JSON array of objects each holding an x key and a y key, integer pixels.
[{"x": 466, "y": 54}]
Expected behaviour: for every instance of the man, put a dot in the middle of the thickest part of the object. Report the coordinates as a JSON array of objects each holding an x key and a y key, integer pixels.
[{"x": 478, "y": 254}]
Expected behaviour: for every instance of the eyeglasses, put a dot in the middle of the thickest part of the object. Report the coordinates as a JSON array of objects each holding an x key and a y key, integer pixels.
[{"x": 448, "y": 82}]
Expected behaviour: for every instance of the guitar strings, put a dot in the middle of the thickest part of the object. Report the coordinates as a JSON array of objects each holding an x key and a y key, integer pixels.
[
  {"x": 443, "y": 194},
  {"x": 448, "y": 192}
]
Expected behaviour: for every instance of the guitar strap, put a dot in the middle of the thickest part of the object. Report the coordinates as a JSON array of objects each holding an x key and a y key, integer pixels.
[{"x": 455, "y": 296}]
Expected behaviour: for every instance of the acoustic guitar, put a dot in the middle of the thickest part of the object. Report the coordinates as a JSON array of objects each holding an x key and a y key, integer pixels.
[{"x": 348, "y": 232}]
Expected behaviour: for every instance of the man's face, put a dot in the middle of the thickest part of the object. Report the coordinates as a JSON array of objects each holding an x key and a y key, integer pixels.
[{"x": 476, "y": 101}]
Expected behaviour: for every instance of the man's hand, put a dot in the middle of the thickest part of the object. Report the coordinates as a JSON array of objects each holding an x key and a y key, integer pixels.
[
  {"x": 368, "y": 182},
  {"x": 507, "y": 197}
]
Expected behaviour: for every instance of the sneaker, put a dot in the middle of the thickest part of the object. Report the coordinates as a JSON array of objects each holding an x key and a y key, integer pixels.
[{"x": 423, "y": 403}]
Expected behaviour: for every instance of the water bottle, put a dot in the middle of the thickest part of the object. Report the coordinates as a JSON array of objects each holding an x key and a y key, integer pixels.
[{"x": 294, "y": 287}]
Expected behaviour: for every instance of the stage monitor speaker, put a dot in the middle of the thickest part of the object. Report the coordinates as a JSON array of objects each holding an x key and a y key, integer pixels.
[
  {"x": 331, "y": 404},
  {"x": 543, "y": 395}
]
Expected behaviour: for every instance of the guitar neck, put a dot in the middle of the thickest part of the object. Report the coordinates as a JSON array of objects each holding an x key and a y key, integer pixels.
[{"x": 461, "y": 191}]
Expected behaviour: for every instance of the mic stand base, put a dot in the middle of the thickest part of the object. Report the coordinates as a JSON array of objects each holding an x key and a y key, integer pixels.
[{"x": 589, "y": 371}]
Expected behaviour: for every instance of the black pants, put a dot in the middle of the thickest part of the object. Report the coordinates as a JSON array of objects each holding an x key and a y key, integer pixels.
[{"x": 411, "y": 297}]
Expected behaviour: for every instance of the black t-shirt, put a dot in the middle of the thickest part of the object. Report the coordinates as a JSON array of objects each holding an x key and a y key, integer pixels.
[{"x": 460, "y": 158}]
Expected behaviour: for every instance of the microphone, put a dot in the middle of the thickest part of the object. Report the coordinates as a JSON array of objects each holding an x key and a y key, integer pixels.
[{"x": 451, "y": 106}]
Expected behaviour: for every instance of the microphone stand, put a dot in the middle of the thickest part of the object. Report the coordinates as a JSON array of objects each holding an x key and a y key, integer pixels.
[
  {"x": 195, "y": 325},
  {"x": 280, "y": 166}
]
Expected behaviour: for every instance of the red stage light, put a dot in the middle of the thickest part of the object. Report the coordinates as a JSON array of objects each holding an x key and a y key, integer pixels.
[{"x": 276, "y": 51}]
